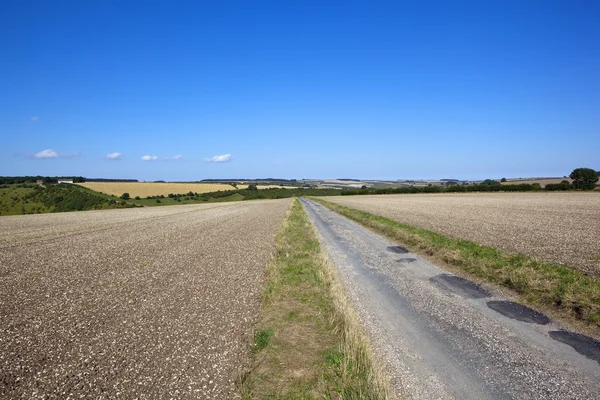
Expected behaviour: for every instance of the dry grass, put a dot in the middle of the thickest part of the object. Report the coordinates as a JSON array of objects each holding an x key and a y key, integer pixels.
[
  {"x": 308, "y": 343},
  {"x": 561, "y": 228}
]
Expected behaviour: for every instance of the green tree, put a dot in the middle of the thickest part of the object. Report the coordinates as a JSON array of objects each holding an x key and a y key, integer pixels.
[
  {"x": 490, "y": 182},
  {"x": 125, "y": 196},
  {"x": 503, "y": 180},
  {"x": 252, "y": 187},
  {"x": 584, "y": 178}
]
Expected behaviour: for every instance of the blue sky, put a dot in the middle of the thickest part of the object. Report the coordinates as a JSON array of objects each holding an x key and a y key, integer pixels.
[{"x": 299, "y": 89}]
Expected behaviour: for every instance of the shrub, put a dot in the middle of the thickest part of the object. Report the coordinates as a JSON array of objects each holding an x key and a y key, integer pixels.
[
  {"x": 558, "y": 186},
  {"x": 584, "y": 178},
  {"x": 125, "y": 196},
  {"x": 490, "y": 182}
]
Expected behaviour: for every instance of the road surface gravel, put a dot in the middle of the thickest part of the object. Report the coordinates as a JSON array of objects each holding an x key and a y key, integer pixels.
[
  {"x": 136, "y": 303},
  {"x": 444, "y": 337}
]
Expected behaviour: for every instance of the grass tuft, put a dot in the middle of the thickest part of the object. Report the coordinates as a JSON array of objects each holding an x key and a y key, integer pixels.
[{"x": 262, "y": 338}]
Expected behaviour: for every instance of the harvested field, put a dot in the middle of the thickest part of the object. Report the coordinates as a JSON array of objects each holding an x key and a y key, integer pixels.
[
  {"x": 136, "y": 303},
  {"x": 557, "y": 227},
  {"x": 144, "y": 189}
]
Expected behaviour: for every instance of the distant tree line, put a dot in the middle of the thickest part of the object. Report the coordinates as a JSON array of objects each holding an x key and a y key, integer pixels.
[
  {"x": 9, "y": 180},
  {"x": 251, "y": 193},
  {"x": 109, "y": 180},
  {"x": 583, "y": 179},
  {"x": 250, "y": 180},
  {"x": 482, "y": 187}
]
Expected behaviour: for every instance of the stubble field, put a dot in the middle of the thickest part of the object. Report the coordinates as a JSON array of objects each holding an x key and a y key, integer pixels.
[
  {"x": 144, "y": 189},
  {"x": 136, "y": 303},
  {"x": 563, "y": 228}
]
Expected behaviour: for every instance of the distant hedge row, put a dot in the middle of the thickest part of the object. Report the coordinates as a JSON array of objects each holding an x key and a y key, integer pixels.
[
  {"x": 523, "y": 187},
  {"x": 253, "y": 194},
  {"x": 9, "y": 180}
]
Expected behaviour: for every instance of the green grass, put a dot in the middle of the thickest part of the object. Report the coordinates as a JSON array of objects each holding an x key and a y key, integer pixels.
[
  {"x": 19, "y": 199},
  {"x": 567, "y": 292},
  {"x": 307, "y": 344},
  {"x": 262, "y": 339}
]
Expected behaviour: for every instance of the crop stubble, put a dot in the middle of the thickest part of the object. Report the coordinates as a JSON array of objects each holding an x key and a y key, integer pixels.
[
  {"x": 132, "y": 303},
  {"x": 144, "y": 189},
  {"x": 557, "y": 227}
]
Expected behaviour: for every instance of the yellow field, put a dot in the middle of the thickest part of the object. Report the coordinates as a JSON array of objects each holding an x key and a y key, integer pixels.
[{"x": 144, "y": 189}]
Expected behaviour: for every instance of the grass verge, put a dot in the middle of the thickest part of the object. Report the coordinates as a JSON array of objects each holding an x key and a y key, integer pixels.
[
  {"x": 308, "y": 344},
  {"x": 566, "y": 292}
]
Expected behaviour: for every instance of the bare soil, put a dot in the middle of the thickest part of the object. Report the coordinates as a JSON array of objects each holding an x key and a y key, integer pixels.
[
  {"x": 137, "y": 303},
  {"x": 557, "y": 227}
]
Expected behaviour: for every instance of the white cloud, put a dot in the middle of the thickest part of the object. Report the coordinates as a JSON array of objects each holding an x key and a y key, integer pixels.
[
  {"x": 48, "y": 153},
  {"x": 221, "y": 158},
  {"x": 35, "y": 119},
  {"x": 149, "y": 158},
  {"x": 114, "y": 156},
  {"x": 174, "y": 158}
]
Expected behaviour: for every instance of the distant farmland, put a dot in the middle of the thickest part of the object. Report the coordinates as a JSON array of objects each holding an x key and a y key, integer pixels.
[
  {"x": 542, "y": 181},
  {"x": 556, "y": 227},
  {"x": 144, "y": 189}
]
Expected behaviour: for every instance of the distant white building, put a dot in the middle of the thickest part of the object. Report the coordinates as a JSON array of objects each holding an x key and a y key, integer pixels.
[{"x": 65, "y": 181}]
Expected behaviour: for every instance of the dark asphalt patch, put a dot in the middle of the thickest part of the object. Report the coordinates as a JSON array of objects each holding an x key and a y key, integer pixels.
[
  {"x": 460, "y": 286},
  {"x": 582, "y": 344},
  {"x": 406, "y": 260},
  {"x": 518, "y": 311},
  {"x": 397, "y": 249}
]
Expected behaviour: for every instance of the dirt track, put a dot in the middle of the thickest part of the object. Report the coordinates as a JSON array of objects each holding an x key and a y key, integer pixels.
[
  {"x": 143, "y": 303},
  {"x": 556, "y": 227}
]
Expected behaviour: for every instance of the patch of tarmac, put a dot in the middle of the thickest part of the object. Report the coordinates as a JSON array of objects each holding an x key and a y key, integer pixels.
[
  {"x": 518, "y": 311},
  {"x": 397, "y": 249},
  {"x": 406, "y": 260},
  {"x": 460, "y": 286},
  {"x": 584, "y": 345}
]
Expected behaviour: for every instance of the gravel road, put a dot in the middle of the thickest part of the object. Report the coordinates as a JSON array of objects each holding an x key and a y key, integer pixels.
[
  {"x": 136, "y": 303},
  {"x": 556, "y": 227},
  {"x": 443, "y": 337}
]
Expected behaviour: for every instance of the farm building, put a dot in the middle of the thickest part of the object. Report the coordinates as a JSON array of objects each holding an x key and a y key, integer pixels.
[{"x": 65, "y": 181}]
